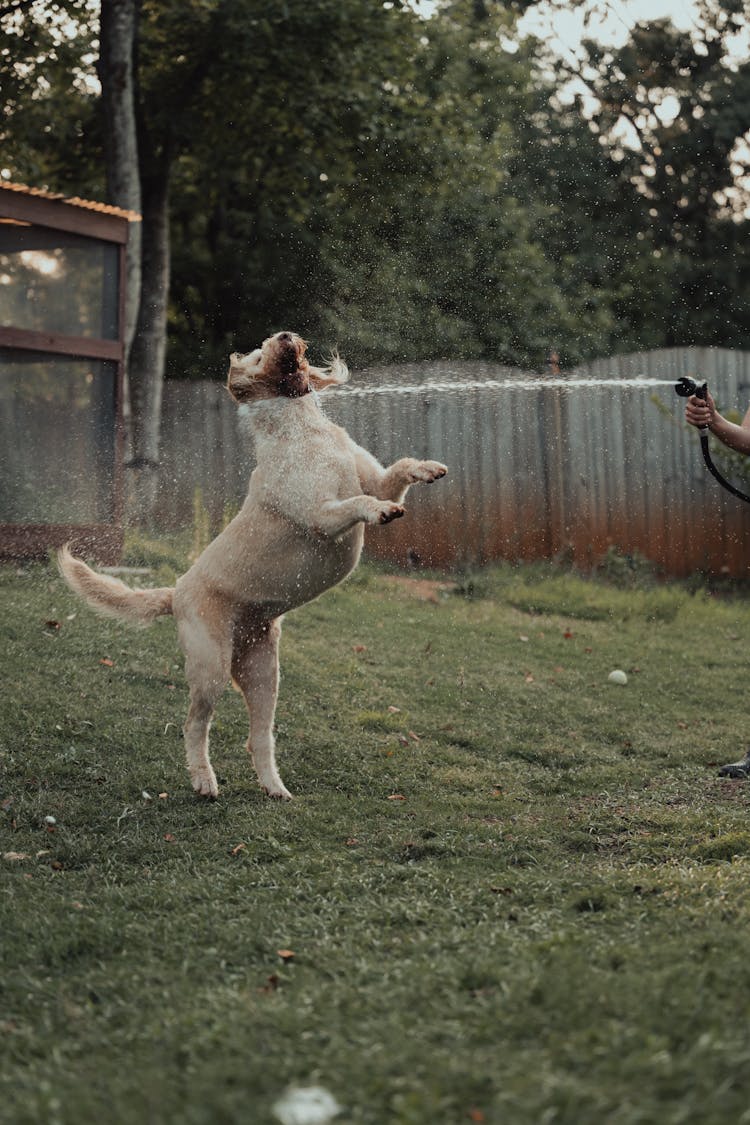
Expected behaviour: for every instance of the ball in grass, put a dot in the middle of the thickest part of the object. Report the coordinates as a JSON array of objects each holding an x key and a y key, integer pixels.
[
  {"x": 617, "y": 677},
  {"x": 306, "y": 1105}
]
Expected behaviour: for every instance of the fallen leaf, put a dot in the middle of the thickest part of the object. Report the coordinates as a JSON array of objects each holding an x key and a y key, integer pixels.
[
  {"x": 52, "y": 625},
  {"x": 351, "y": 842},
  {"x": 13, "y": 857},
  {"x": 529, "y": 678},
  {"x": 163, "y": 796},
  {"x": 359, "y": 648},
  {"x": 272, "y": 983},
  {"x": 397, "y": 797},
  {"x": 403, "y": 740},
  {"x": 523, "y": 638},
  {"x": 476, "y": 1115},
  {"x": 169, "y": 838},
  {"x": 395, "y": 710},
  {"x": 237, "y": 849},
  {"x": 109, "y": 663},
  {"x": 567, "y": 634},
  {"x": 414, "y": 737},
  {"x": 286, "y": 955}
]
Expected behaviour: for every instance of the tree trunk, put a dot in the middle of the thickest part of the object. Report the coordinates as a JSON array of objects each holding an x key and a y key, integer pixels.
[
  {"x": 115, "y": 68},
  {"x": 148, "y": 352}
]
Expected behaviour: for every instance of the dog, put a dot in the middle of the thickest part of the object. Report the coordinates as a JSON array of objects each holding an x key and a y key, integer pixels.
[{"x": 299, "y": 532}]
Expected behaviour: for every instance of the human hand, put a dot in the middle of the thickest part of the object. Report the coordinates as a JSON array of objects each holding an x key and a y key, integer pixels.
[{"x": 701, "y": 411}]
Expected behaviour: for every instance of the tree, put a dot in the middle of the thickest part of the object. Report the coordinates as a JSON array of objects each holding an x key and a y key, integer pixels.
[
  {"x": 154, "y": 58},
  {"x": 406, "y": 187},
  {"x": 258, "y": 200},
  {"x": 670, "y": 111},
  {"x": 49, "y": 135},
  {"x": 117, "y": 36}
]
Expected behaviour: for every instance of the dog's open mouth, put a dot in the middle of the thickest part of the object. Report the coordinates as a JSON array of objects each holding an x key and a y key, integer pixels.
[
  {"x": 288, "y": 359},
  {"x": 294, "y": 384},
  {"x": 293, "y": 381}
]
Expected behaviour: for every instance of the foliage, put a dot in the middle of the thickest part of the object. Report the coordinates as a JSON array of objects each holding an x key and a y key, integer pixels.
[
  {"x": 671, "y": 108},
  {"x": 410, "y": 187},
  {"x": 549, "y": 925},
  {"x": 449, "y": 262},
  {"x": 48, "y": 126}
]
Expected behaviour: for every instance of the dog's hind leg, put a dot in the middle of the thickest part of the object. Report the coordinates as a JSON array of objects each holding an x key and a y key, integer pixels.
[
  {"x": 205, "y": 636},
  {"x": 255, "y": 671}
]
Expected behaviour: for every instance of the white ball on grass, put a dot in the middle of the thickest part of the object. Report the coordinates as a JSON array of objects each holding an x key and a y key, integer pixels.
[{"x": 617, "y": 677}]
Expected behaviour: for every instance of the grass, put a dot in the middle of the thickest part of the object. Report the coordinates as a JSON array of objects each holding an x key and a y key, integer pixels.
[{"x": 515, "y": 893}]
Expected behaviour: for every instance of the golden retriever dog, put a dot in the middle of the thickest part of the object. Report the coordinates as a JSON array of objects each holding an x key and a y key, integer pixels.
[{"x": 299, "y": 532}]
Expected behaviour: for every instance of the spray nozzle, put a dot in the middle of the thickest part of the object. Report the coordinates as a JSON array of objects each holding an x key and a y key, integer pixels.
[{"x": 685, "y": 387}]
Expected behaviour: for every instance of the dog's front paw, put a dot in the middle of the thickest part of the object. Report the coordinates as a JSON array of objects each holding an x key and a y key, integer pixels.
[
  {"x": 387, "y": 510},
  {"x": 204, "y": 783},
  {"x": 425, "y": 472}
]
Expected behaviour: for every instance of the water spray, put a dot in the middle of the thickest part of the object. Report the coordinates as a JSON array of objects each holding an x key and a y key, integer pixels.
[{"x": 685, "y": 387}]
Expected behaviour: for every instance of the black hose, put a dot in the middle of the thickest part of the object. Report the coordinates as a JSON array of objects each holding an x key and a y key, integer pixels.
[
  {"x": 684, "y": 388},
  {"x": 715, "y": 472}
]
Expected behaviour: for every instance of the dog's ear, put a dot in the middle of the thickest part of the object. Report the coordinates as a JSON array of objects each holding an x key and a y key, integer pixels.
[
  {"x": 242, "y": 381},
  {"x": 332, "y": 376}
]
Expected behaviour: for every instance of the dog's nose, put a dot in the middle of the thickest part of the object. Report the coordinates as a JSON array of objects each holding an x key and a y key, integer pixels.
[{"x": 285, "y": 336}]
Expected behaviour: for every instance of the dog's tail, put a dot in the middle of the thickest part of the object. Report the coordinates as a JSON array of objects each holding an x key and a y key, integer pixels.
[{"x": 112, "y": 597}]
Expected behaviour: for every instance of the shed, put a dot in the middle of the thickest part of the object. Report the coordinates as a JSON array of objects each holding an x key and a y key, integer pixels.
[{"x": 62, "y": 325}]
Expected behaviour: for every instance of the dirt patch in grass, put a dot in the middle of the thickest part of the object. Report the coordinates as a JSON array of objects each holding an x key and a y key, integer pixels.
[{"x": 423, "y": 589}]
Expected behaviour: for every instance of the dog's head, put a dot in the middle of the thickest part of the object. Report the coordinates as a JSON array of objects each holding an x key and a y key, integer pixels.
[{"x": 278, "y": 369}]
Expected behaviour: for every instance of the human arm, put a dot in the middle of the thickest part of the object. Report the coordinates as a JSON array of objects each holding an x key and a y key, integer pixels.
[{"x": 702, "y": 412}]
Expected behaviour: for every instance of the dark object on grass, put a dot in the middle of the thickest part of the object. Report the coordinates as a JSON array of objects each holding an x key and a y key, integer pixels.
[{"x": 739, "y": 769}]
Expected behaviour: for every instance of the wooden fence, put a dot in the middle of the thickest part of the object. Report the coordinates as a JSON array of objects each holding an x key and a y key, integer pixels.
[{"x": 536, "y": 469}]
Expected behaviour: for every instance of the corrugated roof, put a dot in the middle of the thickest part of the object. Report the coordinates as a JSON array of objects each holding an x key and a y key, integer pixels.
[{"x": 72, "y": 201}]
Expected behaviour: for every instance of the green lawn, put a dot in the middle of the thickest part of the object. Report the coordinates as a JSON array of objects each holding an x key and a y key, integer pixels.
[{"x": 515, "y": 892}]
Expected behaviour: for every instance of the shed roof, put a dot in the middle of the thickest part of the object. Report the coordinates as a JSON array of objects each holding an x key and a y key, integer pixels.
[{"x": 72, "y": 201}]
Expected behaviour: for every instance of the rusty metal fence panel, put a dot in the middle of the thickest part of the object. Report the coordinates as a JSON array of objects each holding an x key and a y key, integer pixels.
[{"x": 536, "y": 468}]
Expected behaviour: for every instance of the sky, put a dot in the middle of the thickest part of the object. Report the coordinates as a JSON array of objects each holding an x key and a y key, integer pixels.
[
  {"x": 566, "y": 28},
  {"x": 563, "y": 31}
]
